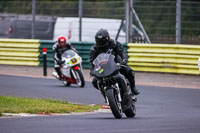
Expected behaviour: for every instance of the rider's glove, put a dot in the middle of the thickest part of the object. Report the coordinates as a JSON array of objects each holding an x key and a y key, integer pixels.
[
  {"x": 60, "y": 62},
  {"x": 124, "y": 62}
]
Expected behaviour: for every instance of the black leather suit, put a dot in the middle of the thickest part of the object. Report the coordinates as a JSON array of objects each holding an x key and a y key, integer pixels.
[{"x": 117, "y": 50}]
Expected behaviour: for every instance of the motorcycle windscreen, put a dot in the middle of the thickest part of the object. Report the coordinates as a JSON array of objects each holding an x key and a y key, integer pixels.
[
  {"x": 104, "y": 65},
  {"x": 68, "y": 54}
]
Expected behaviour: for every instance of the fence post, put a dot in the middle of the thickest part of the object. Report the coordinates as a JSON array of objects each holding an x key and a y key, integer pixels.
[
  {"x": 140, "y": 24},
  {"x": 178, "y": 21},
  {"x": 120, "y": 27},
  {"x": 33, "y": 20},
  {"x": 130, "y": 22},
  {"x": 44, "y": 52},
  {"x": 80, "y": 19},
  {"x": 199, "y": 63},
  {"x": 127, "y": 15}
]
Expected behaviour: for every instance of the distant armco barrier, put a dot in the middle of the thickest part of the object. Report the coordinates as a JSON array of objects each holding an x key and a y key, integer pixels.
[
  {"x": 19, "y": 52},
  {"x": 29, "y": 52},
  {"x": 170, "y": 58}
]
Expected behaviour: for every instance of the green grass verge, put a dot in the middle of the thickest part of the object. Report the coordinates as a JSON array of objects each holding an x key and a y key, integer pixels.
[{"x": 34, "y": 106}]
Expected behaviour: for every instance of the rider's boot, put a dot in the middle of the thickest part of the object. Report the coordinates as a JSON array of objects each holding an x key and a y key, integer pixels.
[
  {"x": 57, "y": 73},
  {"x": 134, "y": 90}
]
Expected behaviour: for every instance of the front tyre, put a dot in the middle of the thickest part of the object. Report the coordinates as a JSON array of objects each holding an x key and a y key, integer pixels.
[
  {"x": 79, "y": 78},
  {"x": 114, "y": 104}
]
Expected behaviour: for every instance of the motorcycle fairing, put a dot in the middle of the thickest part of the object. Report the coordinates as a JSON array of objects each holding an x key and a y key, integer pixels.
[{"x": 104, "y": 65}]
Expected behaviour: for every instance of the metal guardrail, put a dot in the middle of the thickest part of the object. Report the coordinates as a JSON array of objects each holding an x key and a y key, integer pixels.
[
  {"x": 19, "y": 52},
  {"x": 29, "y": 52},
  {"x": 170, "y": 58}
]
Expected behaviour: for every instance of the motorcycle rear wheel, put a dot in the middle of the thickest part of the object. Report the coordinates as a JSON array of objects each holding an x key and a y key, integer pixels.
[
  {"x": 131, "y": 112},
  {"x": 66, "y": 83},
  {"x": 114, "y": 104}
]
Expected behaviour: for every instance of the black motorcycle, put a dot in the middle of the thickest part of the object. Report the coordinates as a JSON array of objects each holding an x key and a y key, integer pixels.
[{"x": 113, "y": 85}]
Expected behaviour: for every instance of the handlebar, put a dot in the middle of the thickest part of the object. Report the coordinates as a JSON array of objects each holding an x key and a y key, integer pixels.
[{"x": 120, "y": 65}]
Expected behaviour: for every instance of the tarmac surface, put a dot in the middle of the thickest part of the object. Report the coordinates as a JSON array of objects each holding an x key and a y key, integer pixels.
[
  {"x": 142, "y": 78},
  {"x": 159, "y": 109}
]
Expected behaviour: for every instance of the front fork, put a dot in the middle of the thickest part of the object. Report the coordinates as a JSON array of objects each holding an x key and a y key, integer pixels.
[
  {"x": 117, "y": 90},
  {"x": 73, "y": 73},
  {"x": 72, "y": 70}
]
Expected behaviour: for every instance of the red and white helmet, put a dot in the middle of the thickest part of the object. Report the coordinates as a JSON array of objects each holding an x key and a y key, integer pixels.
[{"x": 62, "y": 39}]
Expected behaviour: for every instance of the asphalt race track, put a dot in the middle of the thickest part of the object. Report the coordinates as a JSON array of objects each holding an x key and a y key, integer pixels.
[
  {"x": 159, "y": 109},
  {"x": 48, "y": 88}
]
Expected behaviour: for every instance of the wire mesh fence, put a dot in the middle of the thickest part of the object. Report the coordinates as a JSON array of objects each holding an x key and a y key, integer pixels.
[
  {"x": 159, "y": 20},
  {"x": 157, "y": 16}
]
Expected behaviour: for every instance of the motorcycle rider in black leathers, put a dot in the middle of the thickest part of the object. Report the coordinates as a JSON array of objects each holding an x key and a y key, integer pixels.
[
  {"x": 103, "y": 44},
  {"x": 58, "y": 49}
]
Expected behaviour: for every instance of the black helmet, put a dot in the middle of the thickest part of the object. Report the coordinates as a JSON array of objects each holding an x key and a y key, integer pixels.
[{"x": 102, "y": 37}]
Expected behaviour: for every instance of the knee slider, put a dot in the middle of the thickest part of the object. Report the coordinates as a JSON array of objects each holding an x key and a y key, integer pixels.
[{"x": 131, "y": 73}]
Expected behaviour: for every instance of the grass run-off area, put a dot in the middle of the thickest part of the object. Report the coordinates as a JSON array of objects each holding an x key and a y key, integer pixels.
[{"x": 38, "y": 106}]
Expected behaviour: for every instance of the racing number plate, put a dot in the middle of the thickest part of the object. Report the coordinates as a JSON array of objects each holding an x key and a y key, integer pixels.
[{"x": 73, "y": 61}]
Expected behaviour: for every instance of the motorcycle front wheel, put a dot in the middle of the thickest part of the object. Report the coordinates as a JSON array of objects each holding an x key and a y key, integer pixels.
[
  {"x": 114, "y": 104},
  {"x": 79, "y": 78}
]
